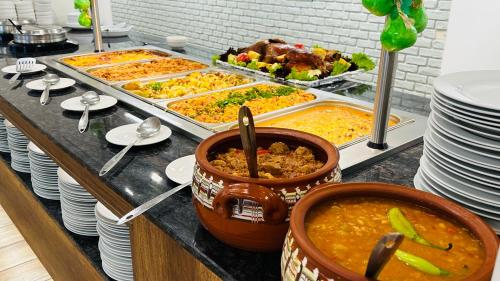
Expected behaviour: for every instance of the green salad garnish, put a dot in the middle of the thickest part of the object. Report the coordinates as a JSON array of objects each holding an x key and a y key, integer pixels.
[
  {"x": 363, "y": 61},
  {"x": 239, "y": 98}
]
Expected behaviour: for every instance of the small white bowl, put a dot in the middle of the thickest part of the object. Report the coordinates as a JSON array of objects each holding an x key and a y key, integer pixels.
[{"x": 177, "y": 42}]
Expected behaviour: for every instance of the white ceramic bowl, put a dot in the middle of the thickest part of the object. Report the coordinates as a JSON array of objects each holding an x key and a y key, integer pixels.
[{"x": 177, "y": 42}]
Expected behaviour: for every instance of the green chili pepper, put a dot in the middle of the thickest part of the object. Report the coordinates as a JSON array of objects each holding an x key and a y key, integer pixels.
[
  {"x": 419, "y": 263},
  {"x": 401, "y": 224}
]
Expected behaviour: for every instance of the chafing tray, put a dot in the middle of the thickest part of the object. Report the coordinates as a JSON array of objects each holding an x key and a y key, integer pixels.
[
  {"x": 160, "y": 53},
  {"x": 400, "y": 121},
  {"x": 169, "y": 77},
  {"x": 226, "y": 125},
  {"x": 166, "y": 75}
]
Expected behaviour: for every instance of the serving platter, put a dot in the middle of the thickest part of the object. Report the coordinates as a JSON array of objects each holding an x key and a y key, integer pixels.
[{"x": 310, "y": 84}]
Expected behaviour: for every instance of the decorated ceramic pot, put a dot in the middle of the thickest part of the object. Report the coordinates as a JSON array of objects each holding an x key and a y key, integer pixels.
[
  {"x": 301, "y": 260},
  {"x": 248, "y": 213}
]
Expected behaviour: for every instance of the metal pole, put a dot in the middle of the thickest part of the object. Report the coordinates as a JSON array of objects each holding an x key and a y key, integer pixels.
[
  {"x": 96, "y": 25},
  {"x": 382, "y": 108}
]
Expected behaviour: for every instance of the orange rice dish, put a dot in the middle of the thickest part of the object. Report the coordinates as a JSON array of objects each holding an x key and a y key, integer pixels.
[{"x": 112, "y": 57}]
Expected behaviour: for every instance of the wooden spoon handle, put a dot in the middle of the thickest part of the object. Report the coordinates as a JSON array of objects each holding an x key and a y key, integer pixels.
[{"x": 248, "y": 139}]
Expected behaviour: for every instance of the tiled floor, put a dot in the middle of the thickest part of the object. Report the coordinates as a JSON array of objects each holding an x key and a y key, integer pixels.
[{"x": 17, "y": 260}]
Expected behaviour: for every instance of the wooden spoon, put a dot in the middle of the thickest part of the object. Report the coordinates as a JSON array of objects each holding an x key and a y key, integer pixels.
[
  {"x": 382, "y": 253},
  {"x": 247, "y": 133}
]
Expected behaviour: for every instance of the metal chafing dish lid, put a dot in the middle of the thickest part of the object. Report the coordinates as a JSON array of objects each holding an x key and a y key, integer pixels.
[
  {"x": 18, "y": 22},
  {"x": 42, "y": 30}
]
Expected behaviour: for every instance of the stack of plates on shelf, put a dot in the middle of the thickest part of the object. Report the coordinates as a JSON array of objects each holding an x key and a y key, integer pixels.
[
  {"x": 4, "y": 144},
  {"x": 43, "y": 12},
  {"x": 77, "y": 206},
  {"x": 114, "y": 245},
  {"x": 25, "y": 10},
  {"x": 7, "y": 10},
  {"x": 461, "y": 158},
  {"x": 18, "y": 144},
  {"x": 43, "y": 173}
]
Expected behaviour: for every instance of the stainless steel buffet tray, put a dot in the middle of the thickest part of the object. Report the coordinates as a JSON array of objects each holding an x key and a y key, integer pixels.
[
  {"x": 216, "y": 127},
  {"x": 329, "y": 101},
  {"x": 357, "y": 155},
  {"x": 160, "y": 101}
]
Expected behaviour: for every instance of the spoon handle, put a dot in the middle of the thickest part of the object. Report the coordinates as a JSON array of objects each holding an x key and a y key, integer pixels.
[
  {"x": 45, "y": 95},
  {"x": 14, "y": 78},
  {"x": 151, "y": 203},
  {"x": 113, "y": 161},
  {"x": 382, "y": 252},
  {"x": 84, "y": 120}
]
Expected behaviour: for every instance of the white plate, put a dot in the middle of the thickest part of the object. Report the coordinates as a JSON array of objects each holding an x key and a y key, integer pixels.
[
  {"x": 465, "y": 108},
  {"x": 461, "y": 125},
  {"x": 39, "y": 85},
  {"x": 469, "y": 116},
  {"x": 473, "y": 206},
  {"x": 123, "y": 135},
  {"x": 76, "y": 26},
  {"x": 457, "y": 132},
  {"x": 465, "y": 145},
  {"x": 461, "y": 187},
  {"x": 181, "y": 170},
  {"x": 471, "y": 123},
  {"x": 74, "y": 104},
  {"x": 464, "y": 155},
  {"x": 478, "y": 88},
  {"x": 11, "y": 69},
  {"x": 105, "y": 212}
]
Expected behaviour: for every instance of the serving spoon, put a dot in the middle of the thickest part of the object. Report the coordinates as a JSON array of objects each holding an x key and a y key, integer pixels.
[
  {"x": 248, "y": 140},
  {"x": 382, "y": 253},
  {"x": 49, "y": 80},
  {"x": 148, "y": 128},
  {"x": 88, "y": 98}
]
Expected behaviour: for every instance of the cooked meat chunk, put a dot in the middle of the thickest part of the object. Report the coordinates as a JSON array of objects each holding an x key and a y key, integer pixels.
[
  {"x": 279, "y": 161},
  {"x": 260, "y": 46},
  {"x": 279, "y": 148},
  {"x": 275, "y": 50},
  {"x": 304, "y": 60}
]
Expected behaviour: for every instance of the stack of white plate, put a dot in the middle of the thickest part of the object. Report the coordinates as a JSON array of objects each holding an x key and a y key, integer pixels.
[
  {"x": 77, "y": 206},
  {"x": 25, "y": 10},
  {"x": 7, "y": 10},
  {"x": 114, "y": 245},
  {"x": 18, "y": 145},
  {"x": 4, "y": 144},
  {"x": 43, "y": 12},
  {"x": 43, "y": 173},
  {"x": 461, "y": 158}
]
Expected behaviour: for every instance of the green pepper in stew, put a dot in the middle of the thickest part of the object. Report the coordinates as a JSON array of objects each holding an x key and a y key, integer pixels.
[
  {"x": 401, "y": 224},
  {"x": 419, "y": 263}
]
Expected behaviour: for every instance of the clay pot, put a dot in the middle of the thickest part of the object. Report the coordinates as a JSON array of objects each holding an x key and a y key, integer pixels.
[
  {"x": 253, "y": 214},
  {"x": 301, "y": 259}
]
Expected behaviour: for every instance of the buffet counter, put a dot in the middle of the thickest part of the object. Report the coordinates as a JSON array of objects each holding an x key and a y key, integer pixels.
[{"x": 168, "y": 242}]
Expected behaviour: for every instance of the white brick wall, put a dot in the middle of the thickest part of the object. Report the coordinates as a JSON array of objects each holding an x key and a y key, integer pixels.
[{"x": 337, "y": 24}]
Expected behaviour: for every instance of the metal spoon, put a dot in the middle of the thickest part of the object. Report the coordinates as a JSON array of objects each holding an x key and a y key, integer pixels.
[
  {"x": 146, "y": 129},
  {"x": 248, "y": 139},
  {"x": 382, "y": 252},
  {"x": 88, "y": 98},
  {"x": 49, "y": 80},
  {"x": 150, "y": 204}
]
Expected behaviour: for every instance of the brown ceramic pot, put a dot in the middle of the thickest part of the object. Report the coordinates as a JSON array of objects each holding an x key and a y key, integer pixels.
[
  {"x": 253, "y": 214},
  {"x": 301, "y": 260}
]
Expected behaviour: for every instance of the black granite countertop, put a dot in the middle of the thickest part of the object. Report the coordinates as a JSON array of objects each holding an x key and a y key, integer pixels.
[{"x": 140, "y": 176}]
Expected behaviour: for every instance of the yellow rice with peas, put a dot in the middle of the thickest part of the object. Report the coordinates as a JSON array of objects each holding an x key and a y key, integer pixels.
[{"x": 223, "y": 107}]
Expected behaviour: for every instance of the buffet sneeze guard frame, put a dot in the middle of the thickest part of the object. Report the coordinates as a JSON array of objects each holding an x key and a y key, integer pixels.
[{"x": 352, "y": 157}]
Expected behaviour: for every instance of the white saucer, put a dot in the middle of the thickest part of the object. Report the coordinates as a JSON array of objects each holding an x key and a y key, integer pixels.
[
  {"x": 11, "y": 69},
  {"x": 123, "y": 135},
  {"x": 74, "y": 104},
  {"x": 181, "y": 170},
  {"x": 39, "y": 85}
]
